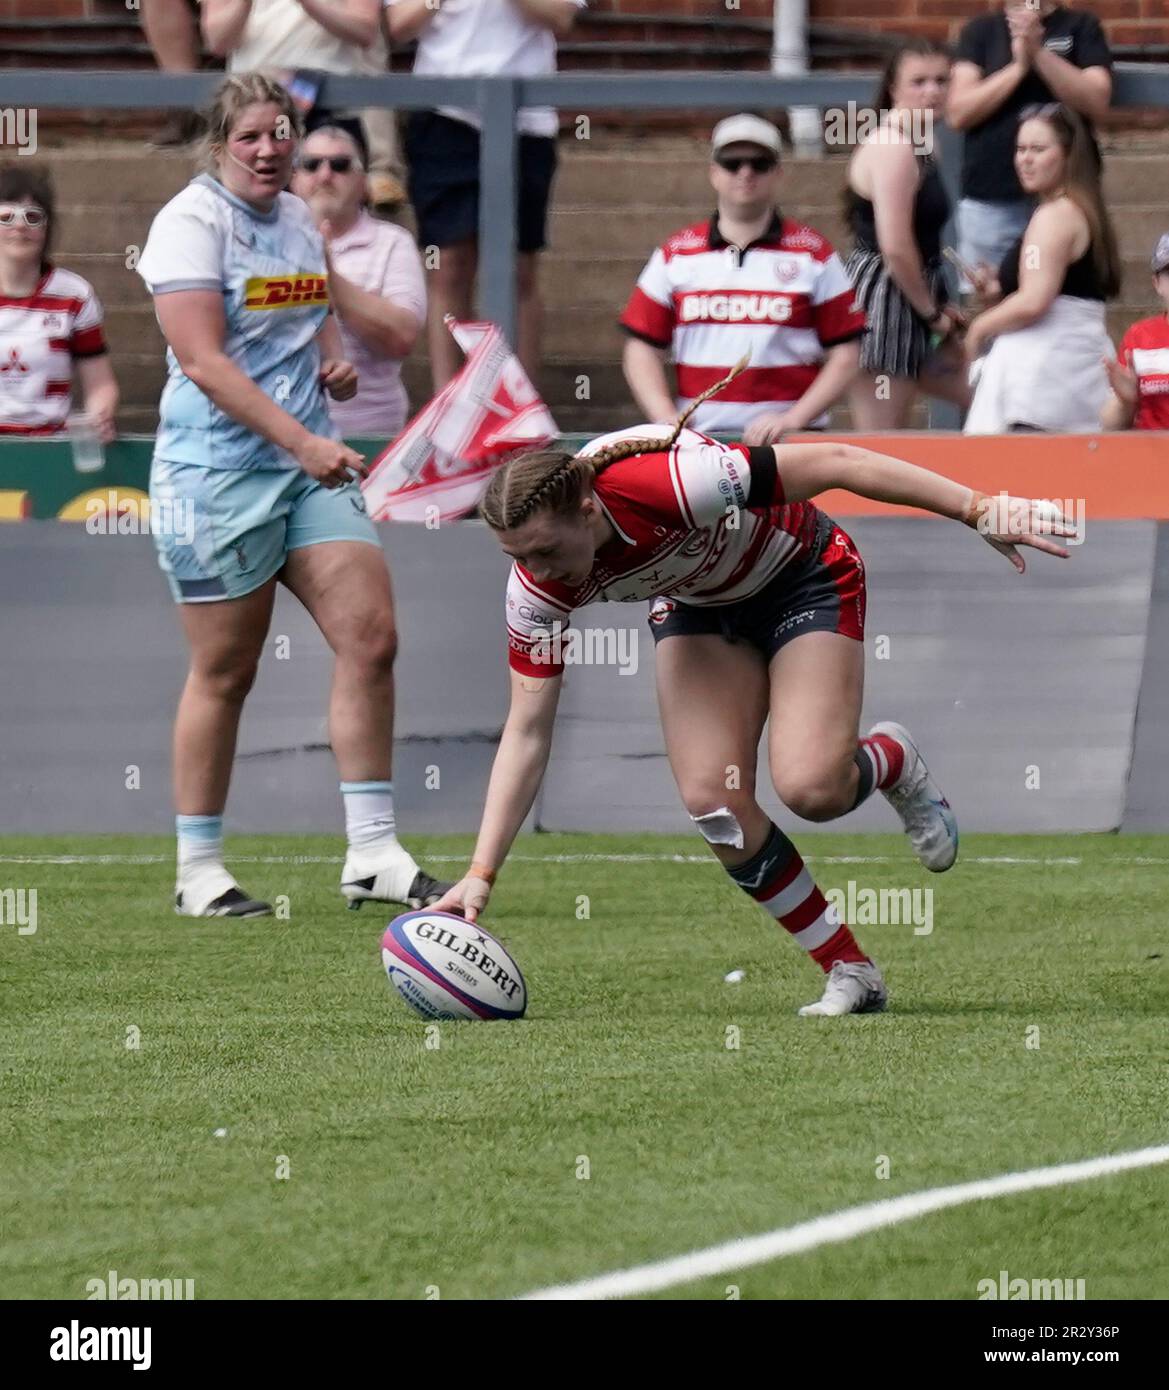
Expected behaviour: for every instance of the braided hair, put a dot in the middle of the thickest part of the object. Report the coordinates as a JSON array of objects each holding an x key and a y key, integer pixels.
[{"x": 555, "y": 480}]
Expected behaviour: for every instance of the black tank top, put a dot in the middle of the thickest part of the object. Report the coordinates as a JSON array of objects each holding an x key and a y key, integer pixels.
[
  {"x": 1080, "y": 281},
  {"x": 931, "y": 212}
]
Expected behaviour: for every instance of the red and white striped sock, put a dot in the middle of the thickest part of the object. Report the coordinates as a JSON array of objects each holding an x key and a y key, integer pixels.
[
  {"x": 879, "y": 762},
  {"x": 779, "y": 881}
]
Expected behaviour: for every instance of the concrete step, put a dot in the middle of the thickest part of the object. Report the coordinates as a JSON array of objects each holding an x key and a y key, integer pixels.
[
  {"x": 574, "y": 281},
  {"x": 677, "y": 172},
  {"x": 605, "y": 171},
  {"x": 605, "y": 232},
  {"x": 93, "y": 175},
  {"x": 607, "y": 168},
  {"x": 584, "y": 335}
]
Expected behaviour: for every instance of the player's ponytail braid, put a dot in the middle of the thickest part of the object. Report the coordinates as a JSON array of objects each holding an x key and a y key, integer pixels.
[{"x": 555, "y": 480}]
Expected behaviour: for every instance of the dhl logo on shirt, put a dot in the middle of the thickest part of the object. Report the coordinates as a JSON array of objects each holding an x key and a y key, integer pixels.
[{"x": 286, "y": 292}]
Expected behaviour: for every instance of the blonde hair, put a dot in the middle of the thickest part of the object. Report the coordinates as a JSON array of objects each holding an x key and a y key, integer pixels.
[
  {"x": 555, "y": 480},
  {"x": 233, "y": 96}
]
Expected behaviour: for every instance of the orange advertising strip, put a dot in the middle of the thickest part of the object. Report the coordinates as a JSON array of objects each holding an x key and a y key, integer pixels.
[{"x": 1117, "y": 475}]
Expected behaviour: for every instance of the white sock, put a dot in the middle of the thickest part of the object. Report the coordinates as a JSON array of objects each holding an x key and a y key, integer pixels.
[{"x": 370, "y": 825}]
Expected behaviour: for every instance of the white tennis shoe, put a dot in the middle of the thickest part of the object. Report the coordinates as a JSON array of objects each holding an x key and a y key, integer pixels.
[
  {"x": 397, "y": 879},
  {"x": 208, "y": 890},
  {"x": 916, "y": 797},
  {"x": 853, "y": 987}
]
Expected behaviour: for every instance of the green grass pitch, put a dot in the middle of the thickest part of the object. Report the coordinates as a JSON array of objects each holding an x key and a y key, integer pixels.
[{"x": 1027, "y": 1029}]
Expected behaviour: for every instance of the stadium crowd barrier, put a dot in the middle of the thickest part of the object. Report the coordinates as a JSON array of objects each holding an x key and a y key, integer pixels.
[
  {"x": 1122, "y": 475},
  {"x": 1008, "y": 676},
  {"x": 497, "y": 100}
]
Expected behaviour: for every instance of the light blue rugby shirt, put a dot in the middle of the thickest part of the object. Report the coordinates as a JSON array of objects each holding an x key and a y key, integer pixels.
[{"x": 270, "y": 268}]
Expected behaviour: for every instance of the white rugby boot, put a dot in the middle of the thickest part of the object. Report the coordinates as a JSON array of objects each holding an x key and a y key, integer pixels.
[
  {"x": 392, "y": 878},
  {"x": 916, "y": 797},
  {"x": 208, "y": 890},
  {"x": 853, "y": 987}
]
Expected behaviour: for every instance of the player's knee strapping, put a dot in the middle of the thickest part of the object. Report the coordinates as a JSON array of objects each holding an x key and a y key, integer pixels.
[{"x": 779, "y": 881}]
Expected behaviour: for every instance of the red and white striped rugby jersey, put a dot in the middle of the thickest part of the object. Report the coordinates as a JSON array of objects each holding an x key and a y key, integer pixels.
[
  {"x": 683, "y": 530},
  {"x": 40, "y": 335},
  {"x": 1145, "y": 348},
  {"x": 784, "y": 299}
]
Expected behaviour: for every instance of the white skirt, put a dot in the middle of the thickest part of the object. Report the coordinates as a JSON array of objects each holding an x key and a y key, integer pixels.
[{"x": 1048, "y": 376}]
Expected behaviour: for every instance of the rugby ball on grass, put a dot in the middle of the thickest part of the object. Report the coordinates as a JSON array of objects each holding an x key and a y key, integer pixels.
[{"x": 446, "y": 967}]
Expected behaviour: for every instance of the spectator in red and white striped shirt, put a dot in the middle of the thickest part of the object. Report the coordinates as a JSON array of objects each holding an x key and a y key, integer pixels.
[
  {"x": 1139, "y": 375},
  {"x": 50, "y": 320},
  {"x": 748, "y": 281}
]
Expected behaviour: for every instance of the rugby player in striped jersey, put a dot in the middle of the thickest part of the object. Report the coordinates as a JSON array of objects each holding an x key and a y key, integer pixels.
[{"x": 757, "y": 611}]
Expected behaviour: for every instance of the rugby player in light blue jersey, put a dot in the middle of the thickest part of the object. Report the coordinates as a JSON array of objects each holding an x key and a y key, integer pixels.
[{"x": 245, "y": 447}]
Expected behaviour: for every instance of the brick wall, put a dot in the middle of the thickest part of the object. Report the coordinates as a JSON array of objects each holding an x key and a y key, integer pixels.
[{"x": 1125, "y": 21}]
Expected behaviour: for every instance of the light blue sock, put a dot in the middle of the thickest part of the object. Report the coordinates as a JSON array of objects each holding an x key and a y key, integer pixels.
[{"x": 200, "y": 840}]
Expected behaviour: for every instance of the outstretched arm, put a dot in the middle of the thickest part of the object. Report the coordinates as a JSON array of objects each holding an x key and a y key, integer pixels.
[
  {"x": 516, "y": 774},
  {"x": 1004, "y": 522}
]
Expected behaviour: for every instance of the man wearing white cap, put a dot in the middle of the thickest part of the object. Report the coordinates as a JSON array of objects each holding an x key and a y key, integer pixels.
[
  {"x": 746, "y": 282},
  {"x": 1139, "y": 376}
]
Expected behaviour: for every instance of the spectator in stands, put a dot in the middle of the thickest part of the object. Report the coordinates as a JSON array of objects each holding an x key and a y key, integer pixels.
[
  {"x": 1015, "y": 57},
  {"x": 1043, "y": 370},
  {"x": 747, "y": 281},
  {"x": 376, "y": 283},
  {"x": 172, "y": 31},
  {"x": 464, "y": 38},
  {"x": 50, "y": 319},
  {"x": 281, "y": 37},
  {"x": 1139, "y": 373},
  {"x": 897, "y": 207}
]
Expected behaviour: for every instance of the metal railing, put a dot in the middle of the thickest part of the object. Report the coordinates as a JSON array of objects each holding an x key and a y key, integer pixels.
[{"x": 496, "y": 100}]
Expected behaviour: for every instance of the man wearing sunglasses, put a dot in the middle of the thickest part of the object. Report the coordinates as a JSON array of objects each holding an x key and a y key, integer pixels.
[
  {"x": 748, "y": 282},
  {"x": 376, "y": 281}
]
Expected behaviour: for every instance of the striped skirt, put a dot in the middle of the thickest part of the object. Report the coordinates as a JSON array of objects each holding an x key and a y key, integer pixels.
[{"x": 896, "y": 342}]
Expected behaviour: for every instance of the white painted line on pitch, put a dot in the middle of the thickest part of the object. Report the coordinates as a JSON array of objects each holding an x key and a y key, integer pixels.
[
  {"x": 840, "y": 1226},
  {"x": 1046, "y": 861}
]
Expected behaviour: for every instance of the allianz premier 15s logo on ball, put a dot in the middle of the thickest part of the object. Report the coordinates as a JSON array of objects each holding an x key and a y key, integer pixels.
[
  {"x": 286, "y": 292},
  {"x": 446, "y": 967}
]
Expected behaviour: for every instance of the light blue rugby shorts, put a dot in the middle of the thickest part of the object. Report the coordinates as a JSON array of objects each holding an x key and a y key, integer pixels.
[{"x": 221, "y": 532}]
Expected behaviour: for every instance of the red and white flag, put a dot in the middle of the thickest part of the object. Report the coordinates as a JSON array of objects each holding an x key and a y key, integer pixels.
[{"x": 438, "y": 468}]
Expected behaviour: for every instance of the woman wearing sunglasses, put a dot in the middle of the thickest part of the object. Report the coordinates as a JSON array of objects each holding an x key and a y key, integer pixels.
[
  {"x": 245, "y": 447},
  {"x": 376, "y": 282},
  {"x": 50, "y": 320}
]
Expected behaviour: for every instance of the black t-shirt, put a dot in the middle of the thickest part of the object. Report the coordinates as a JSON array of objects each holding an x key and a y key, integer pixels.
[{"x": 988, "y": 158}]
